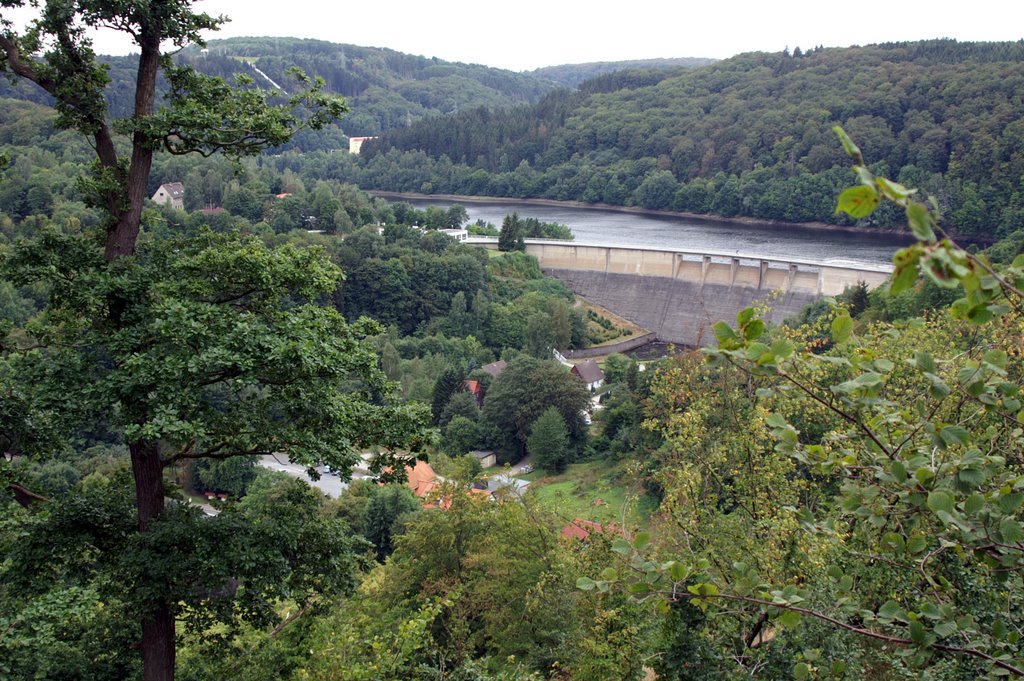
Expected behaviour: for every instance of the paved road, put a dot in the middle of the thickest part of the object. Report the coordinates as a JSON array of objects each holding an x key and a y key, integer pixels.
[{"x": 329, "y": 483}]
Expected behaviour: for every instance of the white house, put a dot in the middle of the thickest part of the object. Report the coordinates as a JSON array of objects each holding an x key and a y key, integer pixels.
[
  {"x": 590, "y": 373},
  {"x": 172, "y": 193},
  {"x": 457, "y": 234},
  {"x": 355, "y": 144}
]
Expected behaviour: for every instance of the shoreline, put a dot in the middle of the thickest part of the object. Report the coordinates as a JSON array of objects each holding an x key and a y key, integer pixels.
[
  {"x": 697, "y": 217},
  {"x": 635, "y": 210}
]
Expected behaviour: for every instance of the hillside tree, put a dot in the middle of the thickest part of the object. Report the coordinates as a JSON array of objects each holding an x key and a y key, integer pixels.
[
  {"x": 549, "y": 442},
  {"x": 208, "y": 347}
]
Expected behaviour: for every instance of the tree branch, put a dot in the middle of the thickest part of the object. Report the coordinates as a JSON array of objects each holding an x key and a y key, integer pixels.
[
  {"x": 25, "y": 497},
  {"x": 861, "y": 631}
]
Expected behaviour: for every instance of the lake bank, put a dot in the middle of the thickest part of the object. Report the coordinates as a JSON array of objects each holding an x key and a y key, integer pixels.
[
  {"x": 636, "y": 227},
  {"x": 635, "y": 210}
]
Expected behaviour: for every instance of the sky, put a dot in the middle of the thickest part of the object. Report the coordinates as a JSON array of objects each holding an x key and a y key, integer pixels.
[{"x": 528, "y": 34}]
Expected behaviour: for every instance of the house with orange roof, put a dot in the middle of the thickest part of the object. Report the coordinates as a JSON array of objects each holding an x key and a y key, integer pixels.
[
  {"x": 421, "y": 479},
  {"x": 476, "y": 390},
  {"x": 581, "y": 529}
]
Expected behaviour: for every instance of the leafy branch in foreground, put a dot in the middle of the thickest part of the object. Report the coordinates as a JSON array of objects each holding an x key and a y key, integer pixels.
[{"x": 908, "y": 453}]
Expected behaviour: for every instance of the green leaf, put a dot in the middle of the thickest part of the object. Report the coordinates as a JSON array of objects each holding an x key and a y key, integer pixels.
[
  {"x": 904, "y": 277},
  {"x": 724, "y": 333},
  {"x": 641, "y": 540},
  {"x": 858, "y": 202},
  {"x": 916, "y": 544},
  {"x": 782, "y": 348},
  {"x": 898, "y": 471},
  {"x": 941, "y": 501},
  {"x": 703, "y": 589},
  {"x": 955, "y": 435},
  {"x": 678, "y": 571},
  {"x": 996, "y": 358},
  {"x": 917, "y": 632},
  {"x": 925, "y": 362},
  {"x": 842, "y": 328},
  {"x": 744, "y": 316},
  {"x": 585, "y": 583},
  {"x": 1010, "y": 530},
  {"x": 1011, "y": 501},
  {"x": 865, "y": 175},
  {"x": 789, "y": 619},
  {"x": 894, "y": 190},
  {"x": 919, "y": 220},
  {"x": 980, "y": 314},
  {"x": 609, "y": 574},
  {"x": 753, "y": 330},
  {"x": 974, "y": 503},
  {"x": 852, "y": 149},
  {"x": 891, "y": 610},
  {"x": 801, "y": 671},
  {"x": 883, "y": 365}
]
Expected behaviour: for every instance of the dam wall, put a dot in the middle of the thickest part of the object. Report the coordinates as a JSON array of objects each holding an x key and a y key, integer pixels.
[{"x": 679, "y": 294}]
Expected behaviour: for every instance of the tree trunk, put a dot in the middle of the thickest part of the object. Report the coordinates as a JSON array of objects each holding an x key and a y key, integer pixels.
[
  {"x": 121, "y": 236},
  {"x": 157, "y": 645}
]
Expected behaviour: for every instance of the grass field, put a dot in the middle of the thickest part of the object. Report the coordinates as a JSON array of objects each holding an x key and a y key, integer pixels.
[{"x": 594, "y": 490}]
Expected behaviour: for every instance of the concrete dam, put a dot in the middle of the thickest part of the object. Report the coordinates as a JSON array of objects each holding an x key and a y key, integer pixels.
[{"x": 679, "y": 294}]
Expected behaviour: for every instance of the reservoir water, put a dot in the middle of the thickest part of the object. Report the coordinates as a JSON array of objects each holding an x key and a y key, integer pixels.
[{"x": 618, "y": 228}]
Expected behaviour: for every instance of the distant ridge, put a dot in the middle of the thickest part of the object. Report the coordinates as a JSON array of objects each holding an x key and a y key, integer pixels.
[
  {"x": 572, "y": 75},
  {"x": 385, "y": 89}
]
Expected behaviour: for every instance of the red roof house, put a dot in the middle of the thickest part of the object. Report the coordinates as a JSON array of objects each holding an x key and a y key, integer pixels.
[{"x": 581, "y": 529}]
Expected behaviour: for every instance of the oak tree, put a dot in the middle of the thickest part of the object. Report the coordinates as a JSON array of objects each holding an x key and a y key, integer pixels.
[{"x": 209, "y": 347}]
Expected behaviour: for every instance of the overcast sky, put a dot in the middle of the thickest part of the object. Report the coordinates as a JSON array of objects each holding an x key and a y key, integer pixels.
[{"x": 527, "y": 34}]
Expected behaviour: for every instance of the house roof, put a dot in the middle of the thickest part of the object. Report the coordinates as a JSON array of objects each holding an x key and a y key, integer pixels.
[
  {"x": 175, "y": 189},
  {"x": 503, "y": 482},
  {"x": 589, "y": 371},
  {"x": 481, "y": 453},
  {"x": 581, "y": 529},
  {"x": 421, "y": 479},
  {"x": 472, "y": 386},
  {"x": 495, "y": 368}
]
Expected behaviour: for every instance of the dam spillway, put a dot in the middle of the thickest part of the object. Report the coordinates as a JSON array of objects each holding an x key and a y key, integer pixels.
[{"x": 679, "y": 294}]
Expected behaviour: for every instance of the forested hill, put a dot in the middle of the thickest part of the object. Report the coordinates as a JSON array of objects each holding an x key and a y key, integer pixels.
[
  {"x": 750, "y": 135},
  {"x": 384, "y": 88},
  {"x": 571, "y": 75}
]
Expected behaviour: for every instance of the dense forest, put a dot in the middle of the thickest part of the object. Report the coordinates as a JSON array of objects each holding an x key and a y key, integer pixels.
[
  {"x": 746, "y": 136},
  {"x": 837, "y": 497},
  {"x": 385, "y": 89}
]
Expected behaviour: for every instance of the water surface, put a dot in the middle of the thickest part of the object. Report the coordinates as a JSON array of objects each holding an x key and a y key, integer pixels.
[{"x": 617, "y": 228}]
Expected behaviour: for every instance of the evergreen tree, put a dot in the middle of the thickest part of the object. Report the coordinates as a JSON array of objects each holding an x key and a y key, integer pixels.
[
  {"x": 382, "y": 516},
  {"x": 511, "y": 236},
  {"x": 549, "y": 442},
  {"x": 458, "y": 316},
  {"x": 449, "y": 383}
]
